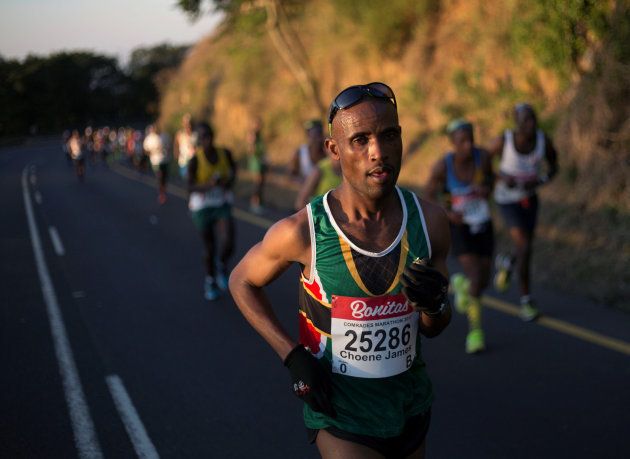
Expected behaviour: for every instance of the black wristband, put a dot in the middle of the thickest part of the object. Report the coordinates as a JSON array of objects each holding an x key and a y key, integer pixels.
[
  {"x": 286, "y": 360},
  {"x": 439, "y": 311}
]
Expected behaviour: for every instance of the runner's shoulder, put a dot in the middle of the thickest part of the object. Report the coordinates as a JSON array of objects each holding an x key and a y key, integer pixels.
[
  {"x": 437, "y": 225},
  {"x": 289, "y": 238},
  {"x": 432, "y": 211}
]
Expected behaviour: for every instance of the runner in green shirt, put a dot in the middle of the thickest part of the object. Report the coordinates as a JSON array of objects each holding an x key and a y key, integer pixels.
[{"x": 373, "y": 281}]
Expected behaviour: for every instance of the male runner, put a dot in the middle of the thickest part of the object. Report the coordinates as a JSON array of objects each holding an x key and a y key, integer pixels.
[
  {"x": 184, "y": 145},
  {"x": 465, "y": 177},
  {"x": 76, "y": 147},
  {"x": 211, "y": 175},
  {"x": 310, "y": 153},
  {"x": 363, "y": 301},
  {"x": 325, "y": 176},
  {"x": 257, "y": 165},
  {"x": 156, "y": 146},
  {"x": 521, "y": 154}
]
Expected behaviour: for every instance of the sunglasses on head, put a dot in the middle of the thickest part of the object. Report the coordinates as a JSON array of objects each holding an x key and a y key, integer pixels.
[{"x": 354, "y": 94}]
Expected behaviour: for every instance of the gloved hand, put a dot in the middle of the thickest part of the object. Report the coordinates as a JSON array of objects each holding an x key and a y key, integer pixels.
[
  {"x": 425, "y": 287},
  {"x": 310, "y": 381}
]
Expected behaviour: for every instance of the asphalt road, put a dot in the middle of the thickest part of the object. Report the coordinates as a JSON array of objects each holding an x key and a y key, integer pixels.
[{"x": 108, "y": 348}]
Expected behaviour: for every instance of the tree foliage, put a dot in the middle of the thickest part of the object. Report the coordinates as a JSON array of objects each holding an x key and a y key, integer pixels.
[
  {"x": 558, "y": 32},
  {"x": 67, "y": 89},
  {"x": 387, "y": 25}
]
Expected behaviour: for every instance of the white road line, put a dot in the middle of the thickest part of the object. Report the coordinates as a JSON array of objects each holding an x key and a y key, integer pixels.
[
  {"x": 85, "y": 437},
  {"x": 137, "y": 433},
  {"x": 38, "y": 197},
  {"x": 56, "y": 240}
]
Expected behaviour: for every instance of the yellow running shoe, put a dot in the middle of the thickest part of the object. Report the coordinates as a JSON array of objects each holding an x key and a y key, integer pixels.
[
  {"x": 461, "y": 288},
  {"x": 503, "y": 265},
  {"x": 475, "y": 341},
  {"x": 528, "y": 311}
]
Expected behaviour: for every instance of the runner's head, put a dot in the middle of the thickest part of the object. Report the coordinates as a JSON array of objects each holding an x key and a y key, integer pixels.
[
  {"x": 525, "y": 119},
  {"x": 460, "y": 132},
  {"x": 314, "y": 132},
  {"x": 205, "y": 135},
  {"x": 365, "y": 137}
]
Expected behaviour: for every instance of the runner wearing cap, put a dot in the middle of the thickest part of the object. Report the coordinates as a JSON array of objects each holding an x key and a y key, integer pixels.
[{"x": 464, "y": 177}]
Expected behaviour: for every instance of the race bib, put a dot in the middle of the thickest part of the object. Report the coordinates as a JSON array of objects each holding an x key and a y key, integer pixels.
[
  {"x": 373, "y": 337},
  {"x": 475, "y": 210},
  {"x": 215, "y": 197}
]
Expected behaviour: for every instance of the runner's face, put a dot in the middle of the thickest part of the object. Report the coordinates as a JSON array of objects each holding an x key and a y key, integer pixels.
[
  {"x": 367, "y": 141},
  {"x": 526, "y": 123},
  {"x": 205, "y": 138},
  {"x": 462, "y": 141},
  {"x": 315, "y": 137}
]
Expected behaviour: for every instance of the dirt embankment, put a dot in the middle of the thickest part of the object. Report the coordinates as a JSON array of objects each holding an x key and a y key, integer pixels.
[{"x": 446, "y": 59}]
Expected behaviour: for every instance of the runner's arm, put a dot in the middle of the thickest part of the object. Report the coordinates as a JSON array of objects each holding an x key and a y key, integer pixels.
[
  {"x": 308, "y": 189},
  {"x": 294, "y": 166},
  {"x": 440, "y": 238},
  {"x": 230, "y": 182},
  {"x": 176, "y": 146},
  {"x": 495, "y": 148},
  {"x": 552, "y": 159},
  {"x": 436, "y": 182},
  {"x": 435, "y": 185},
  {"x": 488, "y": 173},
  {"x": 286, "y": 242}
]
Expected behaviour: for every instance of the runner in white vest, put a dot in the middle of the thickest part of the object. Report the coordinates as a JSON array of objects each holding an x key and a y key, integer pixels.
[
  {"x": 310, "y": 153},
  {"x": 522, "y": 153}
]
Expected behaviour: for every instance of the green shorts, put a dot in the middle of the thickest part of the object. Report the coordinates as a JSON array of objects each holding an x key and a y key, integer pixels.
[
  {"x": 256, "y": 165},
  {"x": 208, "y": 216},
  {"x": 162, "y": 167}
]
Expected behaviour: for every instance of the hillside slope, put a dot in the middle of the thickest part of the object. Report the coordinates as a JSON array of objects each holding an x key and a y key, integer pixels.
[{"x": 446, "y": 59}]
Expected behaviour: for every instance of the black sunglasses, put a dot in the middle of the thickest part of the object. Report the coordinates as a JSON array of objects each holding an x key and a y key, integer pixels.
[{"x": 354, "y": 94}]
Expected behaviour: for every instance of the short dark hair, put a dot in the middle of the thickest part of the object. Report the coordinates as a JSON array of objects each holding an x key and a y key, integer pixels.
[
  {"x": 204, "y": 129},
  {"x": 313, "y": 124}
]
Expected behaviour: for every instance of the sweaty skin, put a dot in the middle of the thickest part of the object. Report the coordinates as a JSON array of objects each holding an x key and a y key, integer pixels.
[{"x": 367, "y": 141}]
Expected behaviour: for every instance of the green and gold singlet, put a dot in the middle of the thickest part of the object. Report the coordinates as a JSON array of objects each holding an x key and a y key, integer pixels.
[{"x": 355, "y": 320}]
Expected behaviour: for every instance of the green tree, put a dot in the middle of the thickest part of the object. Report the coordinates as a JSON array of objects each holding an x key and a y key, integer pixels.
[
  {"x": 144, "y": 69},
  {"x": 277, "y": 25}
]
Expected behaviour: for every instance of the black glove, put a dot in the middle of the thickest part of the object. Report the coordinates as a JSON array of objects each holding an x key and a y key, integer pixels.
[
  {"x": 425, "y": 287},
  {"x": 310, "y": 380}
]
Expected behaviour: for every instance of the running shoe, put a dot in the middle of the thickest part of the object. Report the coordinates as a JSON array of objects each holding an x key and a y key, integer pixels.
[
  {"x": 461, "y": 288},
  {"x": 222, "y": 281},
  {"x": 503, "y": 265},
  {"x": 475, "y": 341},
  {"x": 257, "y": 209},
  {"x": 528, "y": 311},
  {"x": 211, "y": 290}
]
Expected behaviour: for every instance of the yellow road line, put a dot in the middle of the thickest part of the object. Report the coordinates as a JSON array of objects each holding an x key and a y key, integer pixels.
[
  {"x": 562, "y": 327},
  {"x": 488, "y": 301}
]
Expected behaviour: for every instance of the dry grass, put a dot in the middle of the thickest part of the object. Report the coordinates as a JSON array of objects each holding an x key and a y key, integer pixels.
[{"x": 456, "y": 63}]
